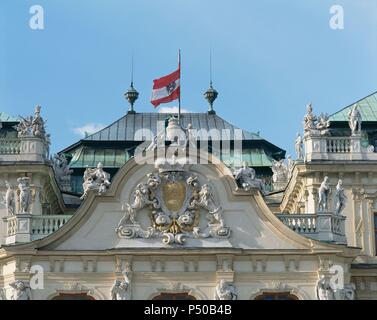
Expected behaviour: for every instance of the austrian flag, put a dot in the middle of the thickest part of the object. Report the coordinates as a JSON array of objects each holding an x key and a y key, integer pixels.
[{"x": 167, "y": 88}]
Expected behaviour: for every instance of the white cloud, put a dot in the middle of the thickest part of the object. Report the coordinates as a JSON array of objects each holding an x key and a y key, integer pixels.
[
  {"x": 172, "y": 110},
  {"x": 87, "y": 129}
]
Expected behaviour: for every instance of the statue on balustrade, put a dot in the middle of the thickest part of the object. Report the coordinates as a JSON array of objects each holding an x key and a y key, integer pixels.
[
  {"x": 96, "y": 179},
  {"x": 119, "y": 290},
  {"x": 225, "y": 291},
  {"x": 21, "y": 290},
  {"x": 246, "y": 179},
  {"x": 299, "y": 147},
  {"x": 9, "y": 199},
  {"x": 32, "y": 126},
  {"x": 324, "y": 191},
  {"x": 38, "y": 124},
  {"x": 340, "y": 198},
  {"x": 309, "y": 119},
  {"x": 355, "y": 120},
  {"x": 25, "y": 194}
]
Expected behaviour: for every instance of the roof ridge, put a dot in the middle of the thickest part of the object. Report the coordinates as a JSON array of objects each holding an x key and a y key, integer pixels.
[{"x": 350, "y": 105}]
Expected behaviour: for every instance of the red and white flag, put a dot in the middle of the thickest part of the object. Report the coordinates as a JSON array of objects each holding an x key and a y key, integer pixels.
[{"x": 167, "y": 88}]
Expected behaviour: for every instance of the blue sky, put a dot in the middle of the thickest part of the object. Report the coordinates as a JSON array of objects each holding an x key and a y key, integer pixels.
[{"x": 270, "y": 58}]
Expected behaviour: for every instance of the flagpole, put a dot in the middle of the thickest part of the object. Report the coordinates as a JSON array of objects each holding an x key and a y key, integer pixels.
[{"x": 180, "y": 86}]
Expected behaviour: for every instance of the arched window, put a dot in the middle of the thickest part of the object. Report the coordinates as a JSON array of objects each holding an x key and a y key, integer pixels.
[
  {"x": 276, "y": 296},
  {"x": 73, "y": 296},
  {"x": 174, "y": 296}
]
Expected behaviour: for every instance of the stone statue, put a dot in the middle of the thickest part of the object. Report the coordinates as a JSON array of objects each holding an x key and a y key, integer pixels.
[
  {"x": 119, "y": 290},
  {"x": 190, "y": 136},
  {"x": 32, "y": 126},
  {"x": 207, "y": 202},
  {"x": 280, "y": 171},
  {"x": 290, "y": 165},
  {"x": 354, "y": 119},
  {"x": 324, "y": 290},
  {"x": 323, "y": 122},
  {"x": 21, "y": 290},
  {"x": 225, "y": 291},
  {"x": 340, "y": 198},
  {"x": 96, "y": 179},
  {"x": 9, "y": 199},
  {"x": 299, "y": 147},
  {"x": 245, "y": 178},
  {"x": 38, "y": 124},
  {"x": 309, "y": 119},
  {"x": 25, "y": 194},
  {"x": 324, "y": 191},
  {"x": 141, "y": 199},
  {"x": 62, "y": 171}
]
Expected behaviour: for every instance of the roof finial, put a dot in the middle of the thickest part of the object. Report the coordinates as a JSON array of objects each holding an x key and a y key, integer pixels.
[
  {"x": 211, "y": 94},
  {"x": 132, "y": 95}
]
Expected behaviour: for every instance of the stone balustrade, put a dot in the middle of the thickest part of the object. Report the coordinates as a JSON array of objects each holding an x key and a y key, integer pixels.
[
  {"x": 324, "y": 147},
  {"x": 322, "y": 226},
  {"x": 30, "y": 149},
  {"x": 10, "y": 146},
  {"x": 26, "y": 227},
  {"x": 43, "y": 225}
]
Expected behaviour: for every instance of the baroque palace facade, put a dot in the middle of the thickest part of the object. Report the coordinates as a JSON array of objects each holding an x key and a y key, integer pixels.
[{"x": 219, "y": 213}]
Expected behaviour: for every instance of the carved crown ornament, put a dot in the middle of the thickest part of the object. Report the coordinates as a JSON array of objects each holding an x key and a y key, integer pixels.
[{"x": 175, "y": 200}]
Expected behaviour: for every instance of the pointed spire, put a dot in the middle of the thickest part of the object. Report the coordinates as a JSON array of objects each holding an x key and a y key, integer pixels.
[
  {"x": 131, "y": 94},
  {"x": 211, "y": 94}
]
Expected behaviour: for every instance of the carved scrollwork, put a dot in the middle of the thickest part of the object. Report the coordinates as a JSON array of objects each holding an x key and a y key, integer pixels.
[{"x": 174, "y": 198}]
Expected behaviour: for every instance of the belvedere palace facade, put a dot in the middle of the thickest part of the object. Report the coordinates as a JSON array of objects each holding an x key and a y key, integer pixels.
[{"x": 156, "y": 206}]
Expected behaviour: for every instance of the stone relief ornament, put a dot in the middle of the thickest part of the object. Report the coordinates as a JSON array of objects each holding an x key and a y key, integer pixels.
[
  {"x": 355, "y": 120},
  {"x": 174, "y": 197},
  {"x": 225, "y": 291},
  {"x": 21, "y": 290},
  {"x": 245, "y": 178},
  {"x": 323, "y": 289},
  {"x": 2, "y": 294},
  {"x": 119, "y": 290},
  {"x": 96, "y": 180},
  {"x": 25, "y": 194},
  {"x": 326, "y": 292},
  {"x": 62, "y": 172},
  {"x": 9, "y": 200},
  {"x": 340, "y": 198},
  {"x": 323, "y": 193}
]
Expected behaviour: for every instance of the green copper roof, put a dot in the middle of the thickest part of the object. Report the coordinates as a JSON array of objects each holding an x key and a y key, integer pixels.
[
  {"x": 367, "y": 107},
  {"x": 89, "y": 157},
  {"x": 115, "y": 158},
  {"x": 4, "y": 117}
]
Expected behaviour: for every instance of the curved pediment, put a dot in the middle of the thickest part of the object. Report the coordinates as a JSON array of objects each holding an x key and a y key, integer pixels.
[{"x": 197, "y": 206}]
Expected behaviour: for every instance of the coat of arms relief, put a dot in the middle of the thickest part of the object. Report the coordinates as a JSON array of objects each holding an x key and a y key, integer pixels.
[{"x": 175, "y": 200}]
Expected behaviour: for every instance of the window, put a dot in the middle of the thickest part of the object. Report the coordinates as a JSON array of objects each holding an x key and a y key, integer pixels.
[
  {"x": 174, "y": 296},
  {"x": 276, "y": 296}
]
